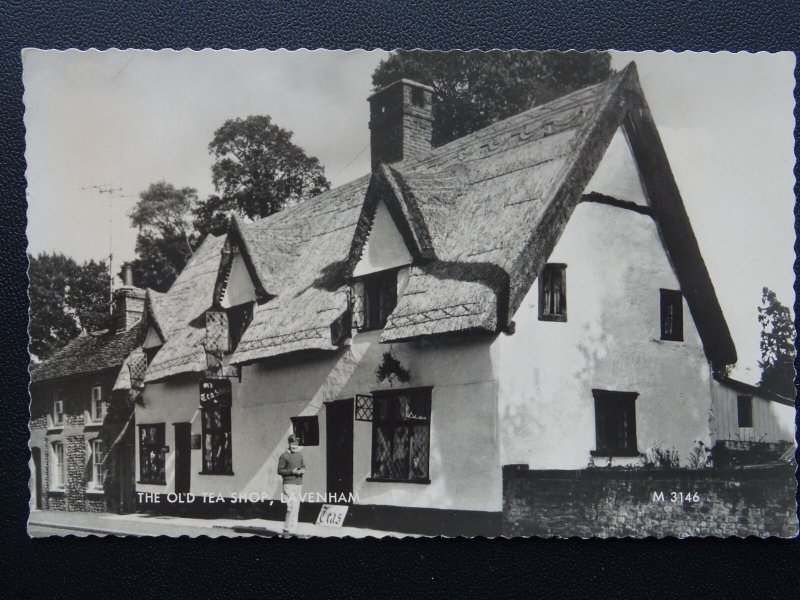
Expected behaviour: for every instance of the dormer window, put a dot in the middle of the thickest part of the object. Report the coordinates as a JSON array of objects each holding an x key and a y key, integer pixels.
[
  {"x": 224, "y": 328},
  {"x": 98, "y": 403},
  {"x": 239, "y": 318},
  {"x": 373, "y": 298}
]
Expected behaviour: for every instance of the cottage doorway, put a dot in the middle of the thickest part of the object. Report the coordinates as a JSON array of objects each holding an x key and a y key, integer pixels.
[
  {"x": 126, "y": 475},
  {"x": 36, "y": 477},
  {"x": 339, "y": 446},
  {"x": 183, "y": 457}
]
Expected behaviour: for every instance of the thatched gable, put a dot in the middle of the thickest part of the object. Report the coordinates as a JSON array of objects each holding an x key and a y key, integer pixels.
[{"x": 480, "y": 216}]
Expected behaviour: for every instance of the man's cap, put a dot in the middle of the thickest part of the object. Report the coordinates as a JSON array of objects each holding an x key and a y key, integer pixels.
[{"x": 293, "y": 439}]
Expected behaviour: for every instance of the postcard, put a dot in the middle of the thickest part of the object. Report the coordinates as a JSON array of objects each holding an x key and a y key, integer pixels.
[{"x": 411, "y": 293}]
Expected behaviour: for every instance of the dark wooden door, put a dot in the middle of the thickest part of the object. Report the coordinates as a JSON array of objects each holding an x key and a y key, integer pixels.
[
  {"x": 36, "y": 454},
  {"x": 125, "y": 466},
  {"x": 183, "y": 457},
  {"x": 339, "y": 445}
]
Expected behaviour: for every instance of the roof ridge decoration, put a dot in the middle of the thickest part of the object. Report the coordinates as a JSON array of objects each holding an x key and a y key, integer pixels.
[{"x": 388, "y": 185}]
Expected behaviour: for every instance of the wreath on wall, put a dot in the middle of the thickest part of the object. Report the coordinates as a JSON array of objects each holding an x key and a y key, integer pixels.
[{"x": 391, "y": 370}]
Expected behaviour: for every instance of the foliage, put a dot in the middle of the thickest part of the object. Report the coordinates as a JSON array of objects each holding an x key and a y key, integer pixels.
[
  {"x": 700, "y": 457},
  {"x": 474, "y": 89},
  {"x": 390, "y": 369},
  {"x": 657, "y": 457},
  {"x": 166, "y": 238},
  {"x": 777, "y": 345},
  {"x": 65, "y": 297},
  {"x": 257, "y": 171}
]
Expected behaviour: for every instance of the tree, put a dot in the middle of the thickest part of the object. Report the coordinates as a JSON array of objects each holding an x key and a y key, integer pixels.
[
  {"x": 777, "y": 345},
  {"x": 166, "y": 237},
  {"x": 64, "y": 298},
  {"x": 257, "y": 171},
  {"x": 474, "y": 89}
]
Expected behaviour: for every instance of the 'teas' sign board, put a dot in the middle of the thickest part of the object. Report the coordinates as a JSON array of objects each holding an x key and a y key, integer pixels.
[{"x": 332, "y": 515}]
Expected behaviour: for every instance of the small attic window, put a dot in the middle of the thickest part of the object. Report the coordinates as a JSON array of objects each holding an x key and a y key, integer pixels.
[
  {"x": 553, "y": 293},
  {"x": 239, "y": 318},
  {"x": 372, "y": 299},
  {"x": 672, "y": 315}
]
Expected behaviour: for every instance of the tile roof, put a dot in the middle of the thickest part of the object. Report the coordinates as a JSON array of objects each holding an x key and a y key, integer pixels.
[{"x": 88, "y": 353}]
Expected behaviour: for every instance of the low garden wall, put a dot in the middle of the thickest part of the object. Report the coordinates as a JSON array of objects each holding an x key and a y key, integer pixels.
[{"x": 611, "y": 502}]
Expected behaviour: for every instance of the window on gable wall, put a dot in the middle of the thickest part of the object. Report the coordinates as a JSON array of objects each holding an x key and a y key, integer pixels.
[
  {"x": 372, "y": 299},
  {"x": 553, "y": 293},
  {"x": 672, "y": 315}
]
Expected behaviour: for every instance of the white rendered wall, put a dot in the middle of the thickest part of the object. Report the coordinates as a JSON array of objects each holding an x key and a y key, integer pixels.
[
  {"x": 240, "y": 287},
  {"x": 464, "y": 460},
  {"x": 385, "y": 247},
  {"x": 618, "y": 176},
  {"x": 611, "y": 341}
]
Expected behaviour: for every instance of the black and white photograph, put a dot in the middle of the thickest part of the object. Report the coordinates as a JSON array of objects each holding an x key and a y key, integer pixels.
[{"x": 321, "y": 293}]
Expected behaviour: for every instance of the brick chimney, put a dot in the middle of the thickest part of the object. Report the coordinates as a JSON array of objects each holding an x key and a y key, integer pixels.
[
  {"x": 128, "y": 302},
  {"x": 400, "y": 122}
]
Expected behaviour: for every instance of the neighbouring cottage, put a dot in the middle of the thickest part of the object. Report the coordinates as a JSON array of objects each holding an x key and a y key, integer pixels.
[
  {"x": 531, "y": 294},
  {"x": 81, "y": 417}
]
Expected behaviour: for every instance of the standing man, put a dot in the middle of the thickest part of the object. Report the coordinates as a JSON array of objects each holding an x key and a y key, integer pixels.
[{"x": 291, "y": 467}]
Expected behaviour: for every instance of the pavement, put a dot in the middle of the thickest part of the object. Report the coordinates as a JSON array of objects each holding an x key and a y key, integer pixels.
[{"x": 43, "y": 523}]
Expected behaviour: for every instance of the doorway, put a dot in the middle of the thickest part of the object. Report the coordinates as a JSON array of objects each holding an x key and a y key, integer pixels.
[
  {"x": 339, "y": 446},
  {"x": 183, "y": 457}
]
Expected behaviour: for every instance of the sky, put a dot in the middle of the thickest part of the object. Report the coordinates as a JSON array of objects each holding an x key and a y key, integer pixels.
[{"x": 121, "y": 120}]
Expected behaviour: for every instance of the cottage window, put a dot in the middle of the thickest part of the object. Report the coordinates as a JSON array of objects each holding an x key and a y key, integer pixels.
[
  {"x": 58, "y": 471},
  {"x": 553, "y": 293},
  {"x": 152, "y": 454},
  {"x": 744, "y": 409},
  {"x": 672, "y": 315},
  {"x": 58, "y": 408},
  {"x": 98, "y": 404},
  {"x": 217, "y": 456},
  {"x": 150, "y": 353},
  {"x": 615, "y": 423},
  {"x": 401, "y": 435},
  {"x": 307, "y": 429},
  {"x": 98, "y": 456},
  {"x": 239, "y": 318},
  {"x": 373, "y": 298}
]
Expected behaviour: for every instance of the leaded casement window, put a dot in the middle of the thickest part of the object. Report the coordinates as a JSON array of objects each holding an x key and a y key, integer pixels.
[
  {"x": 58, "y": 408},
  {"x": 98, "y": 406},
  {"x": 615, "y": 423},
  {"x": 744, "y": 411},
  {"x": 58, "y": 467},
  {"x": 215, "y": 409},
  {"x": 401, "y": 434},
  {"x": 372, "y": 300},
  {"x": 553, "y": 293},
  {"x": 239, "y": 318},
  {"x": 98, "y": 456},
  {"x": 672, "y": 315},
  {"x": 306, "y": 429},
  {"x": 224, "y": 329},
  {"x": 152, "y": 454}
]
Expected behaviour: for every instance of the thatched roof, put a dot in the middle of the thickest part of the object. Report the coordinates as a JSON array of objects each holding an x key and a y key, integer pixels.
[
  {"x": 479, "y": 215},
  {"x": 88, "y": 353}
]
